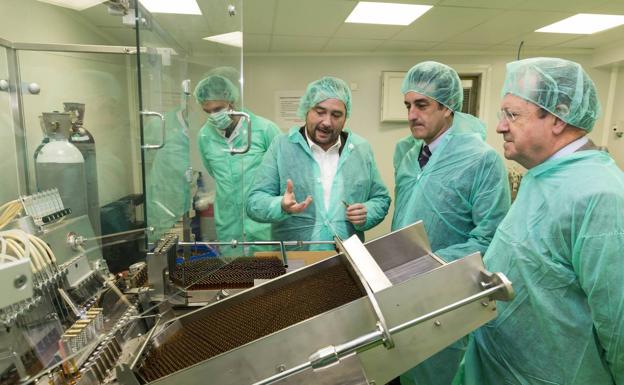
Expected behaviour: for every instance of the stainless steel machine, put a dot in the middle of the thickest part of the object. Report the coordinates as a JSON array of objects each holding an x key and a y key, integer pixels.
[
  {"x": 61, "y": 307},
  {"x": 203, "y": 281},
  {"x": 363, "y": 316}
]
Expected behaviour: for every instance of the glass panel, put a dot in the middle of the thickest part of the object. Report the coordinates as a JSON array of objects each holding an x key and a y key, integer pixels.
[
  {"x": 94, "y": 160},
  {"x": 73, "y": 110},
  {"x": 84, "y": 137},
  {"x": 9, "y": 189},
  {"x": 163, "y": 74},
  {"x": 218, "y": 178}
]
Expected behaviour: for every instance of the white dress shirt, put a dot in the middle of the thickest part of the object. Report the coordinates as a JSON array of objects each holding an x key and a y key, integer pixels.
[
  {"x": 437, "y": 141},
  {"x": 234, "y": 133},
  {"x": 571, "y": 147},
  {"x": 328, "y": 163}
]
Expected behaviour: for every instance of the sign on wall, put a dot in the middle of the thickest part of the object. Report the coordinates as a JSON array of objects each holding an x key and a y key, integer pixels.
[{"x": 286, "y": 104}]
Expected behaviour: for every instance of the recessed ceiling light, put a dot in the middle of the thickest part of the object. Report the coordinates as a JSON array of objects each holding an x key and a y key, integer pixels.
[
  {"x": 386, "y": 13},
  {"x": 584, "y": 24},
  {"x": 234, "y": 39},
  {"x": 78, "y": 5},
  {"x": 181, "y": 7}
]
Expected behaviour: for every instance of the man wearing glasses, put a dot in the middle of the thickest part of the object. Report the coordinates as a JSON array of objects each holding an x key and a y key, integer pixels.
[
  {"x": 561, "y": 244},
  {"x": 448, "y": 177}
]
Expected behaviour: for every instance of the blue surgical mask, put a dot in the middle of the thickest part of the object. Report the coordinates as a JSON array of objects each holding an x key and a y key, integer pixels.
[{"x": 220, "y": 120}]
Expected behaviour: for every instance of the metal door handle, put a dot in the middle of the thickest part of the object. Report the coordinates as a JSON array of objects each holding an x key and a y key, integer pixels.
[
  {"x": 162, "y": 131},
  {"x": 246, "y": 148}
]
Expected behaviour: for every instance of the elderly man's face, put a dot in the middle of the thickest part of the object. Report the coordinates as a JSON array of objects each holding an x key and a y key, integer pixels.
[
  {"x": 325, "y": 121},
  {"x": 527, "y": 135},
  {"x": 428, "y": 119}
]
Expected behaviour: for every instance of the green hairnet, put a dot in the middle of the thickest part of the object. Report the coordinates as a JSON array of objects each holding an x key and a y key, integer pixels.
[
  {"x": 559, "y": 86},
  {"x": 437, "y": 81},
  {"x": 228, "y": 72},
  {"x": 327, "y": 87},
  {"x": 216, "y": 87}
]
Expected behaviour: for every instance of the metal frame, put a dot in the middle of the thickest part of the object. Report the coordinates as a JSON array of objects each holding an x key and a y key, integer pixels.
[
  {"x": 17, "y": 113},
  {"x": 16, "y": 96},
  {"x": 79, "y": 48}
]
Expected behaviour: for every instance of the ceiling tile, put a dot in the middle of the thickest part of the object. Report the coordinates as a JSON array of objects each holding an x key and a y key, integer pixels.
[
  {"x": 352, "y": 45},
  {"x": 191, "y": 27},
  {"x": 203, "y": 47},
  {"x": 216, "y": 18},
  {"x": 573, "y": 6},
  {"x": 99, "y": 14},
  {"x": 310, "y": 18},
  {"x": 507, "y": 25},
  {"x": 610, "y": 7},
  {"x": 492, "y": 4},
  {"x": 448, "y": 46},
  {"x": 598, "y": 39},
  {"x": 539, "y": 39},
  {"x": 256, "y": 43},
  {"x": 120, "y": 35},
  {"x": 214, "y": 47},
  {"x": 258, "y": 16},
  {"x": 405, "y": 45},
  {"x": 512, "y": 51},
  {"x": 440, "y": 23},
  {"x": 367, "y": 31},
  {"x": 422, "y": 2},
  {"x": 307, "y": 25},
  {"x": 297, "y": 44}
]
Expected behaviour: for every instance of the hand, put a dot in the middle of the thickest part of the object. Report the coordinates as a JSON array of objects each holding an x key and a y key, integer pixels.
[
  {"x": 356, "y": 213},
  {"x": 289, "y": 203}
]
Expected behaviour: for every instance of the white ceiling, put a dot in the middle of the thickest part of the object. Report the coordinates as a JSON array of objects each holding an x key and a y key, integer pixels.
[{"x": 317, "y": 27}]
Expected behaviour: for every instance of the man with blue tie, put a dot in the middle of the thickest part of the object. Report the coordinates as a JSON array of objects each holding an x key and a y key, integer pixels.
[{"x": 448, "y": 177}]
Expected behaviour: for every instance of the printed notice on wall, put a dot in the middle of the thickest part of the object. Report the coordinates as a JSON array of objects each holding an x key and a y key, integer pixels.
[{"x": 286, "y": 104}]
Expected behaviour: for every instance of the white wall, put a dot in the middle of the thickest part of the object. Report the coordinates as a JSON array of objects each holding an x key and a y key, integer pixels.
[
  {"x": 101, "y": 81},
  {"x": 615, "y": 144},
  {"x": 265, "y": 75}
]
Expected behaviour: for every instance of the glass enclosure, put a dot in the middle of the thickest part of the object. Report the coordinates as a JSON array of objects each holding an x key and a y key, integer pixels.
[
  {"x": 175, "y": 174},
  {"x": 100, "y": 133},
  {"x": 9, "y": 189}
]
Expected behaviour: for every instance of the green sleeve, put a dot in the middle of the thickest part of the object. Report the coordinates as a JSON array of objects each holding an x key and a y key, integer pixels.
[
  {"x": 378, "y": 201},
  {"x": 203, "y": 144},
  {"x": 598, "y": 260},
  {"x": 265, "y": 196},
  {"x": 490, "y": 200}
]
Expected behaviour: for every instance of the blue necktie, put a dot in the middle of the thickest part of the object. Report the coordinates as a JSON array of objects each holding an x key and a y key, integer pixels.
[{"x": 424, "y": 155}]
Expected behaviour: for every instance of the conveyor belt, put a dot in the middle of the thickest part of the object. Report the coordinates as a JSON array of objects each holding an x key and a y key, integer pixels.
[
  {"x": 241, "y": 323},
  {"x": 209, "y": 274}
]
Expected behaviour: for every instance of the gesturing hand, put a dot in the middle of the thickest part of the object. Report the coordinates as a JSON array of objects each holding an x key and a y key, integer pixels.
[{"x": 289, "y": 203}]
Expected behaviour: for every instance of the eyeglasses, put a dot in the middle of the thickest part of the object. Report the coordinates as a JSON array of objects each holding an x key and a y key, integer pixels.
[{"x": 511, "y": 117}]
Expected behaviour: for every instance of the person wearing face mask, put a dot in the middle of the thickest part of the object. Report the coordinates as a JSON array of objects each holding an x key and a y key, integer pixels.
[
  {"x": 448, "y": 177},
  {"x": 320, "y": 180},
  {"x": 232, "y": 172}
]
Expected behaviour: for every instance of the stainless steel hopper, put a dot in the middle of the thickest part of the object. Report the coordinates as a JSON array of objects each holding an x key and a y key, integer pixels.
[{"x": 363, "y": 316}]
